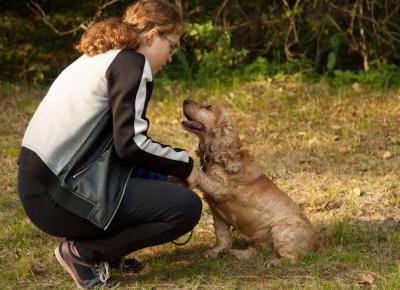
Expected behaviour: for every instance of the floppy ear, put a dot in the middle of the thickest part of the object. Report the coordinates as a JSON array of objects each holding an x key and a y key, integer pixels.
[{"x": 226, "y": 147}]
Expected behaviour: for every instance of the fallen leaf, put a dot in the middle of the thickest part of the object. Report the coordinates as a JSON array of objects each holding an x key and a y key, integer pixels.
[
  {"x": 342, "y": 149},
  {"x": 357, "y": 191},
  {"x": 313, "y": 141},
  {"x": 387, "y": 155},
  {"x": 366, "y": 279}
]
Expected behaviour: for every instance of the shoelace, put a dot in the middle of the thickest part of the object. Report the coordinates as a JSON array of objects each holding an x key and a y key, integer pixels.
[{"x": 103, "y": 271}]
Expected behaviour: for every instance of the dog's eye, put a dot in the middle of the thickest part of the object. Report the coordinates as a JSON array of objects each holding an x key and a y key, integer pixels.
[{"x": 209, "y": 107}]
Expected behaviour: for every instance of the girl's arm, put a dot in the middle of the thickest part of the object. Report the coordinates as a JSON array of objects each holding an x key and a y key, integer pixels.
[{"x": 130, "y": 86}]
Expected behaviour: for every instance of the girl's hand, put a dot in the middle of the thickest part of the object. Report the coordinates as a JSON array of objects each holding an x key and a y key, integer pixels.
[{"x": 193, "y": 179}]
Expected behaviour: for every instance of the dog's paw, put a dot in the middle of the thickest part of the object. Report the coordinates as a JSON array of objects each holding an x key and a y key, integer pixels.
[
  {"x": 210, "y": 254},
  {"x": 273, "y": 263},
  {"x": 280, "y": 261},
  {"x": 243, "y": 254}
]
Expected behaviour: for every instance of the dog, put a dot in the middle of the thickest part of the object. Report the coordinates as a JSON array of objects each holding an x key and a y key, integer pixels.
[{"x": 241, "y": 196}]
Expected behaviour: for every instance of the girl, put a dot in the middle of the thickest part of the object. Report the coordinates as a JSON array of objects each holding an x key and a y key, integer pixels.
[{"x": 88, "y": 171}]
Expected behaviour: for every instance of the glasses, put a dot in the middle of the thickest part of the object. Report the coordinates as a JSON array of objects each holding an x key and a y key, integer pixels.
[{"x": 174, "y": 47}]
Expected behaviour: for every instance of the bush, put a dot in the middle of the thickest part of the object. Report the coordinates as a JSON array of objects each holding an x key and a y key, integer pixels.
[{"x": 380, "y": 76}]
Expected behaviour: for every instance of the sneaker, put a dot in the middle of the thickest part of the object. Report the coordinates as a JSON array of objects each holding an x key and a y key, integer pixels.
[
  {"x": 85, "y": 274},
  {"x": 127, "y": 265}
]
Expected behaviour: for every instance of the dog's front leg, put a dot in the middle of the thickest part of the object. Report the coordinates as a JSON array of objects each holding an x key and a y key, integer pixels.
[
  {"x": 222, "y": 234},
  {"x": 215, "y": 189}
]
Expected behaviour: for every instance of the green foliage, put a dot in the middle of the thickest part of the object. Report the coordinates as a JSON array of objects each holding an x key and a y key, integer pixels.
[
  {"x": 335, "y": 43},
  {"x": 344, "y": 233},
  {"x": 225, "y": 44},
  {"x": 29, "y": 52},
  {"x": 216, "y": 57},
  {"x": 380, "y": 75}
]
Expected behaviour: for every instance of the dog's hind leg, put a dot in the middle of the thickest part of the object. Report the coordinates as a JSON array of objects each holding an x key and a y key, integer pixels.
[
  {"x": 292, "y": 237},
  {"x": 223, "y": 236}
]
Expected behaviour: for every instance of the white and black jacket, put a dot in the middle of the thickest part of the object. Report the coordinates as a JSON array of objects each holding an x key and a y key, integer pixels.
[{"x": 90, "y": 131}]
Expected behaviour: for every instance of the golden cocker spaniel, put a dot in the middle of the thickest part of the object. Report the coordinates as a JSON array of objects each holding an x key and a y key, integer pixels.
[{"x": 240, "y": 195}]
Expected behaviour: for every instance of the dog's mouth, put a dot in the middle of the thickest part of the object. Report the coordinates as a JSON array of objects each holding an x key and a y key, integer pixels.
[{"x": 191, "y": 124}]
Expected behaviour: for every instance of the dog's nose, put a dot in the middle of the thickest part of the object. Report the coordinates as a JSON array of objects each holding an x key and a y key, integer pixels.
[{"x": 186, "y": 102}]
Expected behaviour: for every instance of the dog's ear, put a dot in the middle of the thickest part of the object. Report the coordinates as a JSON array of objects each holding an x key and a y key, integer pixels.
[{"x": 226, "y": 147}]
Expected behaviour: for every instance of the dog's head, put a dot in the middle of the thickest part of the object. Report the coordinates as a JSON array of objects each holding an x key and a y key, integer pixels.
[{"x": 219, "y": 139}]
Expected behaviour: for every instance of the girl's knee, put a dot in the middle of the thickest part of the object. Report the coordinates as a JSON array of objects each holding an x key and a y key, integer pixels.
[
  {"x": 193, "y": 206},
  {"x": 190, "y": 207}
]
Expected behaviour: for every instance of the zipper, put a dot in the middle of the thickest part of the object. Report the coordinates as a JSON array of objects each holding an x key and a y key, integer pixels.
[
  {"x": 120, "y": 200},
  {"x": 83, "y": 170}
]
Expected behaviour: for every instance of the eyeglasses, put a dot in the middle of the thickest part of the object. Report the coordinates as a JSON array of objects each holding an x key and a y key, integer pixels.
[{"x": 174, "y": 47}]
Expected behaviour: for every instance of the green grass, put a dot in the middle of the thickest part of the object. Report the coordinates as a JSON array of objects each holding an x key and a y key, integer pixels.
[{"x": 327, "y": 148}]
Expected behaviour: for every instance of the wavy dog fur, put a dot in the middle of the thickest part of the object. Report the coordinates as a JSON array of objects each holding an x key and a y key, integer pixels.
[{"x": 240, "y": 195}]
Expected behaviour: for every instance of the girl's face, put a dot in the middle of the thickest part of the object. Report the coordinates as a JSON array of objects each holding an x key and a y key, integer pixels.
[{"x": 158, "y": 48}]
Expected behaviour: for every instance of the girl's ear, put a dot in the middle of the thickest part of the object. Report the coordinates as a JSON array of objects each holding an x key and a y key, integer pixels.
[{"x": 150, "y": 36}]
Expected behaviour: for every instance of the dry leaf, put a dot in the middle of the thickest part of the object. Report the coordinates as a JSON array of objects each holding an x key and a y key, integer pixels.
[
  {"x": 336, "y": 127},
  {"x": 357, "y": 191},
  {"x": 366, "y": 279},
  {"x": 343, "y": 149},
  {"x": 387, "y": 155},
  {"x": 313, "y": 141}
]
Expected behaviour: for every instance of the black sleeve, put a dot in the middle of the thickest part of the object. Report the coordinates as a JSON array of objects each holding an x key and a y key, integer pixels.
[{"x": 129, "y": 87}]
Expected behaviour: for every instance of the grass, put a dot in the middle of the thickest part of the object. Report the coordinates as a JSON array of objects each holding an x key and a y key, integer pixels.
[{"x": 336, "y": 152}]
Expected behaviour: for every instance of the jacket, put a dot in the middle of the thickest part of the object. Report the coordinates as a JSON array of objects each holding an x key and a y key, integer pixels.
[{"x": 90, "y": 132}]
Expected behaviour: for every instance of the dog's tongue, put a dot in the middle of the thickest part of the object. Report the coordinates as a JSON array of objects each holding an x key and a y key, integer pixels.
[{"x": 192, "y": 124}]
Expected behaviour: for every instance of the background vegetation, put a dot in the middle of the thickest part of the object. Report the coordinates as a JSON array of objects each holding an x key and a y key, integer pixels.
[{"x": 225, "y": 39}]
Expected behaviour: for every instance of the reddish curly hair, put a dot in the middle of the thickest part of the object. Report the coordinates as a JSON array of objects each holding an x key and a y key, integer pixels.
[{"x": 115, "y": 33}]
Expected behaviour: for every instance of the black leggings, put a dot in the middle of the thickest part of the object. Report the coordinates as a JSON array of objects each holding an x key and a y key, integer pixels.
[{"x": 152, "y": 212}]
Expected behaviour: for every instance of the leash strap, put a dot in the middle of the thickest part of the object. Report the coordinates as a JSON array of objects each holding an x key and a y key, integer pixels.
[{"x": 185, "y": 242}]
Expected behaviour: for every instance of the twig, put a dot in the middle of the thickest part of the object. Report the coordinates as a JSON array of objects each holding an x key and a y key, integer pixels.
[
  {"x": 42, "y": 15},
  {"x": 375, "y": 23},
  {"x": 38, "y": 10},
  {"x": 34, "y": 277},
  {"x": 292, "y": 29},
  {"x": 220, "y": 9},
  {"x": 363, "y": 43}
]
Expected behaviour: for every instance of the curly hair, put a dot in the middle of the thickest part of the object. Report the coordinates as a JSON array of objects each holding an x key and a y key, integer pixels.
[{"x": 115, "y": 33}]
